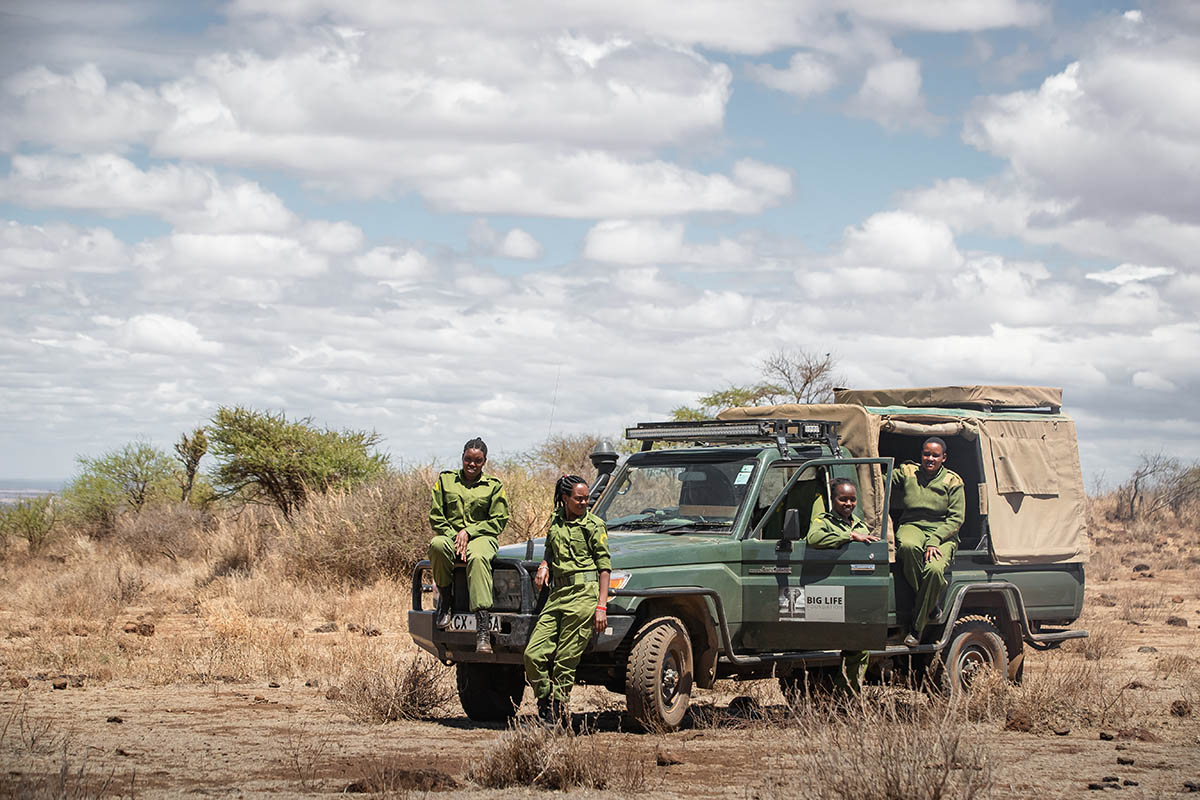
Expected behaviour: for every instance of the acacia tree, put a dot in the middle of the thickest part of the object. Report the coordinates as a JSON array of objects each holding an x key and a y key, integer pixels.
[
  {"x": 137, "y": 473},
  {"x": 263, "y": 457},
  {"x": 788, "y": 376}
]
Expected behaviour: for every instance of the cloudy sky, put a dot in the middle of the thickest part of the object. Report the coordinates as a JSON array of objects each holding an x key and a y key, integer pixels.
[{"x": 442, "y": 219}]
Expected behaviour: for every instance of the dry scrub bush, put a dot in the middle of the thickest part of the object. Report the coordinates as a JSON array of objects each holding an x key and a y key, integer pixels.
[
  {"x": 1142, "y": 604},
  {"x": 1103, "y": 641},
  {"x": 1057, "y": 691},
  {"x": 171, "y": 531},
  {"x": 378, "y": 530},
  {"x": 396, "y": 688},
  {"x": 928, "y": 751},
  {"x": 529, "y": 754}
]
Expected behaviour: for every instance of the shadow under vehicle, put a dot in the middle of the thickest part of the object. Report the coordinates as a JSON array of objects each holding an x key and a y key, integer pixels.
[{"x": 712, "y": 577}]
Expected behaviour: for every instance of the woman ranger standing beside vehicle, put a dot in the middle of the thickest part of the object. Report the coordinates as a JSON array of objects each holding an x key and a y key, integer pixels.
[{"x": 577, "y": 566}]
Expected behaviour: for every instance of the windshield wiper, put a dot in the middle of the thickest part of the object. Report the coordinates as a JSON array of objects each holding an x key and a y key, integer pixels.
[{"x": 691, "y": 523}]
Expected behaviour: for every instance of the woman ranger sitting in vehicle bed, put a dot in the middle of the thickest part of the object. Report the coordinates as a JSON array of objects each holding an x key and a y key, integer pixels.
[
  {"x": 927, "y": 537},
  {"x": 577, "y": 566}
]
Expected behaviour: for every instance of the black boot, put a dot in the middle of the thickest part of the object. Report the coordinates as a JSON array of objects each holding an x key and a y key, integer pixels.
[
  {"x": 560, "y": 713},
  {"x": 483, "y": 633},
  {"x": 545, "y": 711},
  {"x": 445, "y": 607}
]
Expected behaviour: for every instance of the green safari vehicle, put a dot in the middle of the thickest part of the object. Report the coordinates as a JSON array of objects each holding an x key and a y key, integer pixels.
[{"x": 712, "y": 578}]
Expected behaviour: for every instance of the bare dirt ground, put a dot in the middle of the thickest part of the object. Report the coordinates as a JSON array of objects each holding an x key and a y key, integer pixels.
[{"x": 157, "y": 716}]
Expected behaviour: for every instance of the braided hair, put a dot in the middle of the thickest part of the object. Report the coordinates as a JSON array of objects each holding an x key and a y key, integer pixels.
[
  {"x": 476, "y": 444},
  {"x": 565, "y": 485}
]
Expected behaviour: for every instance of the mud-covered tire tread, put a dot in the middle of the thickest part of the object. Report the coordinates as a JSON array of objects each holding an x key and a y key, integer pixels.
[
  {"x": 643, "y": 692},
  {"x": 490, "y": 692},
  {"x": 945, "y": 673}
]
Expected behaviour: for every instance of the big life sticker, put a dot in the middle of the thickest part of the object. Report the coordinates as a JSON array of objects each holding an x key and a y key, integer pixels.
[{"x": 812, "y": 604}]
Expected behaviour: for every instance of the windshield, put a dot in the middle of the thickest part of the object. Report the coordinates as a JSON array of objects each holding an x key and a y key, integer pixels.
[{"x": 681, "y": 497}]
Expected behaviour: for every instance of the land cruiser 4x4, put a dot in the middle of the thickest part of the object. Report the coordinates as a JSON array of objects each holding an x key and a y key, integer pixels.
[{"x": 712, "y": 579}]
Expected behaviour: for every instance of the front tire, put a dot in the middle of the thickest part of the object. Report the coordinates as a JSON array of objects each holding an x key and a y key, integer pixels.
[
  {"x": 490, "y": 692},
  {"x": 659, "y": 673},
  {"x": 975, "y": 645}
]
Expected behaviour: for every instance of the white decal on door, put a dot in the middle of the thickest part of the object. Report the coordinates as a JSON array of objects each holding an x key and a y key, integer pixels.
[{"x": 812, "y": 604}]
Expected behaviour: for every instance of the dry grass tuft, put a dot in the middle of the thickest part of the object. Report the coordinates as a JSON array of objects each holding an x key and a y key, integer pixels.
[
  {"x": 529, "y": 754},
  {"x": 930, "y": 751},
  {"x": 402, "y": 688}
]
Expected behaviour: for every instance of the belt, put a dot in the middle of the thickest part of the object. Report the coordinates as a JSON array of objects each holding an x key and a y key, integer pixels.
[{"x": 574, "y": 578}]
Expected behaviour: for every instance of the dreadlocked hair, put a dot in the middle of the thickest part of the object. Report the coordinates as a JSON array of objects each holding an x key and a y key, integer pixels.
[
  {"x": 476, "y": 444},
  {"x": 565, "y": 485}
]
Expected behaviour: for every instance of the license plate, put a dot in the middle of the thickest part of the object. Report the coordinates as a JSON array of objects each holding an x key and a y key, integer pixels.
[{"x": 466, "y": 622}]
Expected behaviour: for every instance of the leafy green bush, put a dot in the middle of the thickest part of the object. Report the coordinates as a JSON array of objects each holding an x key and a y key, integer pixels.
[
  {"x": 263, "y": 457},
  {"x": 31, "y": 519}
]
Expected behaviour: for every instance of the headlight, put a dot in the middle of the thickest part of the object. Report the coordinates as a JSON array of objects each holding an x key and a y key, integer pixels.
[{"x": 618, "y": 578}]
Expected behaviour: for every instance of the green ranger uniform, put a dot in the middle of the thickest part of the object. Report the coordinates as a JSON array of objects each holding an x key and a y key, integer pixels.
[
  {"x": 934, "y": 510},
  {"x": 827, "y": 532},
  {"x": 577, "y": 552},
  {"x": 482, "y": 509}
]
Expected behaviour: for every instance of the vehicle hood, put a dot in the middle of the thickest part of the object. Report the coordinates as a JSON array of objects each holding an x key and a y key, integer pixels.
[{"x": 637, "y": 550}]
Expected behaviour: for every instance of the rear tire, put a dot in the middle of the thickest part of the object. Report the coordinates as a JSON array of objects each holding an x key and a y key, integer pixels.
[
  {"x": 975, "y": 645},
  {"x": 490, "y": 692},
  {"x": 659, "y": 673}
]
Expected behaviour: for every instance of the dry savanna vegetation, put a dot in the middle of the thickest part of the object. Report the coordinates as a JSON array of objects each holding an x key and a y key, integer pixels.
[{"x": 236, "y": 647}]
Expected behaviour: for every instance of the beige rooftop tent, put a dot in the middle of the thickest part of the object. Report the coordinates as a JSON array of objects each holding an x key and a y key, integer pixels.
[{"x": 1012, "y": 445}]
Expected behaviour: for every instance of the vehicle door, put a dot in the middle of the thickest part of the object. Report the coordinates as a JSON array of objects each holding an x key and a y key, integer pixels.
[{"x": 799, "y": 598}]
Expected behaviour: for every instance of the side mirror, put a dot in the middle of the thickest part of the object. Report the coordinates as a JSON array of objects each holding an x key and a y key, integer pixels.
[{"x": 791, "y": 525}]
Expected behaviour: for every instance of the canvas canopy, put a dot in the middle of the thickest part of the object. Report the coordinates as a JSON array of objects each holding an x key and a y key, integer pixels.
[
  {"x": 956, "y": 397},
  {"x": 1031, "y": 492}
]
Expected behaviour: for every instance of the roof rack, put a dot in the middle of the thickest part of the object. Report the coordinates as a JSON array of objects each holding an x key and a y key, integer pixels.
[{"x": 780, "y": 431}]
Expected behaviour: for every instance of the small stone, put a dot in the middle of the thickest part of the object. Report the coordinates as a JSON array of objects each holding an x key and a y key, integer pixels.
[
  {"x": 1136, "y": 684},
  {"x": 115, "y": 720},
  {"x": 353, "y": 627},
  {"x": 59, "y": 683},
  {"x": 665, "y": 758},
  {"x": 1105, "y": 736},
  {"x": 1095, "y": 786},
  {"x": 1061, "y": 731},
  {"x": 1107, "y": 600},
  {"x": 1191, "y": 786},
  {"x": 372, "y": 631},
  {"x": 1178, "y": 622},
  {"x": 18, "y": 681},
  {"x": 79, "y": 630},
  {"x": 1141, "y": 567},
  {"x": 1146, "y": 575},
  {"x": 313, "y": 683},
  {"x": 77, "y": 681},
  {"x": 145, "y": 629},
  {"x": 1120, "y": 747},
  {"x": 130, "y": 627},
  {"x": 1110, "y": 779},
  {"x": 272, "y": 685},
  {"x": 1128, "y": 782},
  {"x": 258, "y": 698},
  {"x": 1177, "y": 599},
  {"x": 1181, "y": 708},
  {"x": 120, "y": 752},
  {"x": 328, "y": 627},
  {"x": 1146, "y": 648},
  {"x": 333, "y": 693},
  {"x": 1123, "y": 761}
]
